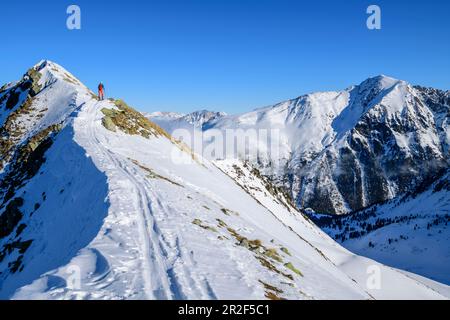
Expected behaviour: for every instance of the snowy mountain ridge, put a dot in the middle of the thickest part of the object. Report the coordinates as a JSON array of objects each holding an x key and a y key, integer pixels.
[
  {"x": 341, "y": 151},
  {"x": 93, "y": 205}
]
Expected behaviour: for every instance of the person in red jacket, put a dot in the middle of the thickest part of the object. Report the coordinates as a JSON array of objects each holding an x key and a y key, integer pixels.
[{"x": 101, "y": 91}]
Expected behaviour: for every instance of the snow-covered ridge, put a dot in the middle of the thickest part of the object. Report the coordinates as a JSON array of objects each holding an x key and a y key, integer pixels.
[
  {"x": 342, "y": 151},
  {"x": 103, "y": 212}
]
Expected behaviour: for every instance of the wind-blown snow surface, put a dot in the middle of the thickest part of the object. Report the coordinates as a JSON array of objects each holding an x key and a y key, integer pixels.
[{"x": 118, "y": 218}]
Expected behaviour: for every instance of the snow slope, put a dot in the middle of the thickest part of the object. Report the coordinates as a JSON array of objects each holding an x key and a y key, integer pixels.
[
  {"x": 410, "y": 232},
  {"x": 118, "y": 214}
]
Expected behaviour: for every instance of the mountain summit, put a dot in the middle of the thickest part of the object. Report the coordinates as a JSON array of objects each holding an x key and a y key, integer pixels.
[{"x": 95, "y": 204}]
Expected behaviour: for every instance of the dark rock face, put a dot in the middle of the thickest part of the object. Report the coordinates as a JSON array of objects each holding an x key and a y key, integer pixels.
[
  {"x": 349, "y": 181},
  {"x": 10, "y": 217},
  {"x": 13, "y": 99}
]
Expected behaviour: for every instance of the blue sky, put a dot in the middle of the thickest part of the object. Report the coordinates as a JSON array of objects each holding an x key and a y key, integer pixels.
[{"x": 227, "y": 55}]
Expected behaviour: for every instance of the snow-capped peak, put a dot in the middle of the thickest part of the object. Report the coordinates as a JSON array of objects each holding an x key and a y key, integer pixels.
[
  {"x": 50, "y": 69},
  {"x": 383, "y": 80}
]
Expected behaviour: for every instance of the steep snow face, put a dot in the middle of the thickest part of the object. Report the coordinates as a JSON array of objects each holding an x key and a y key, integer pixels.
[
  {"x": 392, "y": 147},
  {"x": 410, "y": 232},
  {"x": 342, "y": 151},
  {"x": 104, "y": 208}
]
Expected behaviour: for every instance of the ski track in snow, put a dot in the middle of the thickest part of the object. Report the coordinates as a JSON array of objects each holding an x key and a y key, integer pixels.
[{"x": 156, "y": 253}]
